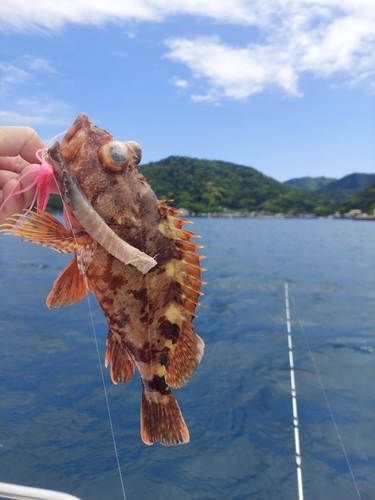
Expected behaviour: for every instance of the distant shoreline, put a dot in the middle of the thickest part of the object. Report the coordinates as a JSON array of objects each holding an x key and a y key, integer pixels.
[
  {"x": 299, "y": 217},
  {"x": 237, "y": 215}
]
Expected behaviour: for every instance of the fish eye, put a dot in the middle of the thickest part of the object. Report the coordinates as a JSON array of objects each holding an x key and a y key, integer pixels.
[
  {"x": 116, "y": 155},
  {"x": 134, "y": 151},
  {"x": 113, "y": 155}
]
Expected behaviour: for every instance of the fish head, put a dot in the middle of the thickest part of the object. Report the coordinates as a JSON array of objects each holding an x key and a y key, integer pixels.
[{"x": 106, "y": 170}]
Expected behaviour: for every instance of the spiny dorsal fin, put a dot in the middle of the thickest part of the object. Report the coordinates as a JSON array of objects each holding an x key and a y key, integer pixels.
[
  {"x": 184, "y": 357},
  {"x": 183, "y": 348}
]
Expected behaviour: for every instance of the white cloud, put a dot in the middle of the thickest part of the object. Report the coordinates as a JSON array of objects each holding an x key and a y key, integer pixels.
[
  {"x": 323, "y": 37},
  {"x": 26, "y": 15},
  {"x": 233, "y": 72},
  {"x": 315, "y": 38},
  {"x": 41, "y": 110},
  {"x": 44, "y": 14},
  {"x": 179, "y": 82},
  {"x": 11, "y": 75},
  {"x": 38, "y": 64}
]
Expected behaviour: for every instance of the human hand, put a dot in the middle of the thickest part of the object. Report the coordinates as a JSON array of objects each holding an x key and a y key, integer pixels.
[{"x": 18, "y": 146}]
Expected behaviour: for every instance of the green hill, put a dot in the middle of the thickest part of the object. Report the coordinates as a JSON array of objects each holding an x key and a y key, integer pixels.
[
  {"x": 205, "y": 186},
  {"x": 365, "y": 201},
  {"x": 309, "y": 183},
  {"x": 348, "y": 186},
  {"x": 209, "y": 186},
  {"x": 337, "y": 189},
  {"x": 55, "y": 203}
]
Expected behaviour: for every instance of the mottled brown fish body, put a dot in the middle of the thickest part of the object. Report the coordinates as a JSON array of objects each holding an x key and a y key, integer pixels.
[
  {"x": 149, "y": 315},
  {"x": 149, "y": 318}
]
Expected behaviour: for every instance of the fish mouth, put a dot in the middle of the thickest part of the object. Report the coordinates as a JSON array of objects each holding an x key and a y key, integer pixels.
[{"x": 78, "y": 134}]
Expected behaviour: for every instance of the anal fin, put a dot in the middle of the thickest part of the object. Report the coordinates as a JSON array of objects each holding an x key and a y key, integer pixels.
[
  {"x": 122, "y": 366},
  {"x": 70, "y": 287}
]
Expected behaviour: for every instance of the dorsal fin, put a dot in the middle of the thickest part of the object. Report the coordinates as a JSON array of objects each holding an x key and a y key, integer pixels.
[{"x": 183, "y": 348}]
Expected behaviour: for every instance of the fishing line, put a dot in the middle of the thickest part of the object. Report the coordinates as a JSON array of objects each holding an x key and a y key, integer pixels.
[
  {"x": 325, "y": 397},
  {"x": 106, "y": 397},
  {"x": 99, "y": 358}
]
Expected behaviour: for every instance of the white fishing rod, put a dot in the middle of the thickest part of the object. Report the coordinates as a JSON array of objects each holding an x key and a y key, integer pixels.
[{"x": 294, "y": 397}]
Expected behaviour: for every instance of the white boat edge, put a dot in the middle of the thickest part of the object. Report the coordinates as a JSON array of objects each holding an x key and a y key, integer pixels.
[{"x": 17, "y": 492}]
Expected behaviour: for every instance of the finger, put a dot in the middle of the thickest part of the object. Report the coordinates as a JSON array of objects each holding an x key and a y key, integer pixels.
[
  {"x": 19, "y": 191},
  {"x": 13, "y": 163},
  {"x": 23, "y": 141},
  {"x": 14, "y": 204},
  {"x": 6, "y": 176},
  {"x": 10, "y": 167}
]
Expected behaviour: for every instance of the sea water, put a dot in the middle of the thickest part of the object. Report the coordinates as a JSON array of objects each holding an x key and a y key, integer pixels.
[{"x": 53, "y": 416}]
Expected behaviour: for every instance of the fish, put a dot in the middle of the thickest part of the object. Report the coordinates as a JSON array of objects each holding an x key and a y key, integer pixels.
[{"x": 132, "y": 252}]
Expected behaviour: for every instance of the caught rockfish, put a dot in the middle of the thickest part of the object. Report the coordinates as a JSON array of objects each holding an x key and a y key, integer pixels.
[{"x": 132, "y": 253}]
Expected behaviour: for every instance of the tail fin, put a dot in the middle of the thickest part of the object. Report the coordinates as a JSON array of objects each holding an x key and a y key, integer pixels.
[{"x": 162, "y": 420}]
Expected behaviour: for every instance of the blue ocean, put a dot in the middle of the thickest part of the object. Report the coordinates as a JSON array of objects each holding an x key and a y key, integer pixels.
[{"x": 54, "y": 428}]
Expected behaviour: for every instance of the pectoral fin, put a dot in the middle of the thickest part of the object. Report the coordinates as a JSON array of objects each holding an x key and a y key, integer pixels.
[{"x": 42, "y": 228}]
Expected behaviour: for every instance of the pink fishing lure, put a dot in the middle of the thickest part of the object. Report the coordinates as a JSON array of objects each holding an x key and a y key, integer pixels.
[{"x": 43, "y": 180}]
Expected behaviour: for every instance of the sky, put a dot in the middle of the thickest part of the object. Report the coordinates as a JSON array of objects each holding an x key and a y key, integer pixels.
[{"x": 284, "y": 86}]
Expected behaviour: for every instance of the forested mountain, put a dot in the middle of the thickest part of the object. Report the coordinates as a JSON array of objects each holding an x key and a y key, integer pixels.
[
  {"x": 365, "y": 201},
  {"x": 348, "y": 186},
  {"x": 310, "y": 183},
  {"x": 209, "y": 186},
  {"x": 338, "y": 189},
  {"x": 202, "y": 185}
]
